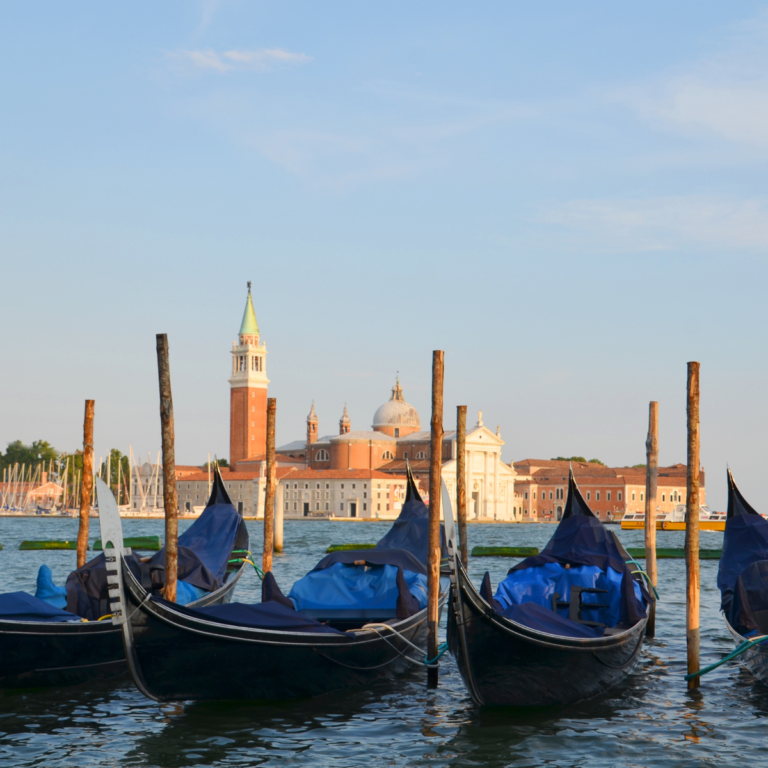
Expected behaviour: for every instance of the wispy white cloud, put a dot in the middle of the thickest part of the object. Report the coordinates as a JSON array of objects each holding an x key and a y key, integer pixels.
[
  {"x": 725, "y": 96},
  {"x": 228, "y": 61},
  {"x": 665, "y": 223}
]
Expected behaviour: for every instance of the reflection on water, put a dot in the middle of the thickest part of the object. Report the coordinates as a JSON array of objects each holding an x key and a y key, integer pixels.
[{"x": 651, "y": 719}]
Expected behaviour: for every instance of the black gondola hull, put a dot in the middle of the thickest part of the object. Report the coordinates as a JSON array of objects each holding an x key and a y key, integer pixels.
[
  {"x": 507, "y": 664},
  {"x": 755, "y": 659},
  {"x": 176, "y": 657},
  {"x": 40, "y": 655}
]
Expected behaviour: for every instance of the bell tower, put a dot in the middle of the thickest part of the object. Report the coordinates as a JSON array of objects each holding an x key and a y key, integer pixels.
[{"x": 248, "y": 391}]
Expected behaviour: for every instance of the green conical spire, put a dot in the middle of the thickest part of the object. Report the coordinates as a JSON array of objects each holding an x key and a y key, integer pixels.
[{"x": 249, "y": 325}]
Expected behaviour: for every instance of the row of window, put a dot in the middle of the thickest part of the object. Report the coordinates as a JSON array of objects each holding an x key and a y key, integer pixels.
[
  {"x": 674, "y": 496},
  {"x": 323, "y": 455},
  {"x": 257, "y": 363}
]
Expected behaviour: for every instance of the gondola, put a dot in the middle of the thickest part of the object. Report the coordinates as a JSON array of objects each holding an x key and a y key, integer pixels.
[
  {"x": 742, "y": 578},
  {"x": 564, "y": 625},
  {"x": 44, "y": 646},
  {"x": 334, "y": 630}
]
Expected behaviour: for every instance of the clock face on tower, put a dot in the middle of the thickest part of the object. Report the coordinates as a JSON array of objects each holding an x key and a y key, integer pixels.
[{"x": 248, "y": 391}]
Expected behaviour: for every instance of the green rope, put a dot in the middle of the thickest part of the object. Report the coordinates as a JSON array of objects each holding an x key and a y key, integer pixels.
[
  {"x": 647, "y": 577},
  {"x": 259, "y": 572},
  {"x": 441, "y": 649},
  {"x": 745, "y": 646}
]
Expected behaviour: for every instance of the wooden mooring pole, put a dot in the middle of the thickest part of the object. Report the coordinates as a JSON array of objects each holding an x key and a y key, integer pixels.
[
  {"x": 651, "y": 488},
  {"x": 435, "y": 466},
  {"x": 87, "y": 485},
  {"x": 170, "y": 497},
  {"x": 269, "y": 500},
  {"x": 692, "y": 527},
  {"x": 461, "y": 480}
]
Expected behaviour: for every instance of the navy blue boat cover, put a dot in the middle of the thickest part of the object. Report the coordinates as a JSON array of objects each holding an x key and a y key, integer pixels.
[
  {"x": 581, "y": 553},
  {"x": 21, "y": 606},
  {"x": 205, "y": 549},
  {"x": 411, "y": 529},
  {"x": 392, "y": 576},
  {"x": 270, "y": 615},
  {"x": 743, "y": 573}
]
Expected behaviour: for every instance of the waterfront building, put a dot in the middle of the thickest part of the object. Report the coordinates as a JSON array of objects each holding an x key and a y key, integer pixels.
[
  {"x": 395, "y": 438},
  {"x": 353, "y": 493},
  {"x": 542, "y": 486}
]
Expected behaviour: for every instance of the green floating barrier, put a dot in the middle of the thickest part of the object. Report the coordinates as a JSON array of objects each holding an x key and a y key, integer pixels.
[
  {"x": 504, "y": 551},
  {"x": 661, "y": 554},
  {"x": 52, "y": 544},
  {"x": 135, "y": 542},
  {"x": 344, "y": 547}
]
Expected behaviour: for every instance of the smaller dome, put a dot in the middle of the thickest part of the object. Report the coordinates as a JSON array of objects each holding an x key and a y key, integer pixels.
[{"x": 396, "y": 412}]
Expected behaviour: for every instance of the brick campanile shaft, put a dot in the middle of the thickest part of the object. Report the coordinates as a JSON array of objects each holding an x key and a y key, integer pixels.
[{"x": 248, "y": 393}]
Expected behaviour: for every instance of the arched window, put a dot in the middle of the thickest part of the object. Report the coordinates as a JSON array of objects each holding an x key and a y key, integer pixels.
[
  {"x": 322, "y": 455},
  {"x": 387, "y": 455},
  {"x": 421, "y": 455}
]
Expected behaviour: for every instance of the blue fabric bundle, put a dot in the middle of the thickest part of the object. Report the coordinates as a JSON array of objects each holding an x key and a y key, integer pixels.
[
  {"x": 47, "y": 590},
  {"x": 350, "y": 587}
]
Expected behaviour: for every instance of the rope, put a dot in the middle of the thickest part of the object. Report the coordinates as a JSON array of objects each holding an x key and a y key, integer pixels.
[
  {"x": 259, "y": 572},
  {"x": 745, "y": 646},
  {"x": 441, "y": 649},
  {"x": 647, "y": 577},
  {"x": 426, "y": 662}
]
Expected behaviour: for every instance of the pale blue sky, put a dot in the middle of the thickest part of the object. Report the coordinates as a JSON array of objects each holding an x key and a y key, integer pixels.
[{"x": 569, "y": 198}]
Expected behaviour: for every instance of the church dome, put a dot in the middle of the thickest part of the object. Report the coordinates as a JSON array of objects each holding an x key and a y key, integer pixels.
[{"x": 396, "y": 413}]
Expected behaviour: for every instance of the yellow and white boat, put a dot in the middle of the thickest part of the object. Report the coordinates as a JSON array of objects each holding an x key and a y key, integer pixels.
[
  {"x": 675, "y": 520},
  {"x": 633, "y": 521}
]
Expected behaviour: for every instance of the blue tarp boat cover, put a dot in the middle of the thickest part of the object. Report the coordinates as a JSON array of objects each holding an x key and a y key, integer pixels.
[
  {"x": 741, "y": 574},
  {"x": 349, "y": 587},
  {"x": 580, "y": 553},
  {"x": 270, "y": 615},
  {"x": 411, "y": 529},
  {"x": 20, "y": 606},
  {"x": 47, "y": 590},
  {"x": 205, "y": 549},
  {"x": 539, "y": 583}
]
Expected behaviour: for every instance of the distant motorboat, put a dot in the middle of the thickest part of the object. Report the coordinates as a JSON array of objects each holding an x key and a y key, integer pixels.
[{"x": 709, "y": 520}]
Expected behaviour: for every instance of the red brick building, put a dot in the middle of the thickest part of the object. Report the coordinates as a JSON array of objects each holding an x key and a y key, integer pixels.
[
  {"x": 541, "y": 487},
  {"x": 248, "y": 391}
]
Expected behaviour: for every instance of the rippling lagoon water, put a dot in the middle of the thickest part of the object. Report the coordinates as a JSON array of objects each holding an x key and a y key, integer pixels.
[{"x": 650, "y": 720}]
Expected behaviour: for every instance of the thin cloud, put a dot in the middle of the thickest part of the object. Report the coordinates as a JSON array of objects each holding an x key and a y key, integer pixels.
[
  {"x": 228, "y": 61},
  {"x": 665, "y": 223},
  {"x": 725, "y": 96}
]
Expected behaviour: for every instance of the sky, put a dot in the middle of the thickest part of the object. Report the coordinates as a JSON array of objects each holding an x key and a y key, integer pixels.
[{"x": 568, "y": 198}]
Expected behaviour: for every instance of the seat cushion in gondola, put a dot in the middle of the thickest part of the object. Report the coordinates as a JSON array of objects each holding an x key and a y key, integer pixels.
[
  {"x": 540, "y": 583},
  {"x": 272, "y": 615},
  {"x": 542, "y": 619},
  {"x": 20, "y": 606}
]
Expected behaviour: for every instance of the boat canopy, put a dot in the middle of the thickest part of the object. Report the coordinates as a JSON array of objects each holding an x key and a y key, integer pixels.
[
  {"x": 743, "y": 567},
  {"x": 205, "y": 550},
  {"x": 390, "y": 578},
  {"x": 21, "y": 606},
  {"x": 411, "y": 529},
  {"x": 581, "y": 561}
]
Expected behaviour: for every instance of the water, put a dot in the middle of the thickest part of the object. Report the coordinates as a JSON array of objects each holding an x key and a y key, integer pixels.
[{"x": 649, "y": 720}]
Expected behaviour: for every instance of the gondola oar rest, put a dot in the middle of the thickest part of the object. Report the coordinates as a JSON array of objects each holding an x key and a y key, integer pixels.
[{"x": 576, "y": 605}]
